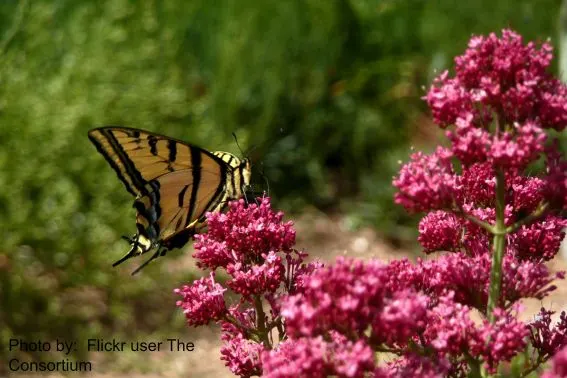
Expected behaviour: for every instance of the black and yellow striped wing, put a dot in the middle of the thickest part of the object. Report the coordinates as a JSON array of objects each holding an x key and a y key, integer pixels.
[{"x": 175, "y": 184}]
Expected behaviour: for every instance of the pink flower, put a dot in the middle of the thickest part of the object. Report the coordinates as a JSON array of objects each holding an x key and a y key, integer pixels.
[
  {"x": 241, "y": 355},
  {"x": 540, "y": 240},
  {"x": 345, "y": 296},
  {"x": 245, "y": 319},
  {"x": 450, "y": 327},
  {"x": 468, "y": 277},
  {"x": 314, "y": 357},
  {"x": 426, "y": 182},
  {"x": 504, "y": 75},
  {"x": 350, "y": 359},
  {"x": 412, "y": 365},
  {"x": 298, "y": 273},
  {"x": 440, "y": 230},
  {"x": 517, "y": 151},
  {"x": 476, "y": 240},
  {"x": 500, "y": 341},
  {"x": 496, "y": 65},
  {"x": 559, "y": 365},
  {"x": 202, "y": 301},
  {"x": 547, "y": 340},
  {"x": 401, "y": 318},
  {"x": 526, "y": 279},
  {"x": 290, "y": 319},
  {"x": 256, "y": 279},
  {"x": 528, "y": 193},
  {"x": 470, "y": 144},
  {"x": 508, "y": 79},
  {"x": 477, "y": 185},
  {"x": 553, "y": 105},
  {"x": 297, "y": 358},
  {"x": 448, "y": 100},
  {"x": 243, "y": 235}
]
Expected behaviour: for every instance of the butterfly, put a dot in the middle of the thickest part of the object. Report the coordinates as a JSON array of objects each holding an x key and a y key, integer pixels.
[{"x": 175, "y": 183}]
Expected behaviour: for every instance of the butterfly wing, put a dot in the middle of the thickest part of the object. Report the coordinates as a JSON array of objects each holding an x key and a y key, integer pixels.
[
  {"x": 139, "y": 156},
  {"x": 174, "y": 182}
]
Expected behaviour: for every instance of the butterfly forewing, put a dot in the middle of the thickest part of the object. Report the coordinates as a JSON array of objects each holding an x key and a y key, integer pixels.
[
  {"x": 175, "y": 184},
  {"x": 138, "y": 156}
]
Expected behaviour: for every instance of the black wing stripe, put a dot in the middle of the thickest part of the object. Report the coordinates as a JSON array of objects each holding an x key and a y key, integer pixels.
[
  {"x": 196, "y": 170},
  {"x": 137, "y": 179},
  {"x": 152, "y": 212},
  {"x": 177, "y": 228},
  {"x": 181, "y": 196},
  {"x": 152, "y": 141},
  {"x": 217, "y": 197},
  {"x": 113, "y": 164},
  {"x": 172, "y": 146},
  {"x": 233, "y": 180}
]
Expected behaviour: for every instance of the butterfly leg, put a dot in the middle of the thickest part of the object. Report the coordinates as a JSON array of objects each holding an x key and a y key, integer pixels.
[
  {"x": 128, "y": 238},
  {"x": 160, "y": 252},
  {"x": 138, "y": 248},
  {"x": 132, "y": 252}
]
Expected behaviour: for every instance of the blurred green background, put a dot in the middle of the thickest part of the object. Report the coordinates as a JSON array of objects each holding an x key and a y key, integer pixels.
[{"x": 325, "y": 94}]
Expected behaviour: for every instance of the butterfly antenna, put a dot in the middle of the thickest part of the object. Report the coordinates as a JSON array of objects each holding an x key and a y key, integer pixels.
[{"x": 238, "y": 145}]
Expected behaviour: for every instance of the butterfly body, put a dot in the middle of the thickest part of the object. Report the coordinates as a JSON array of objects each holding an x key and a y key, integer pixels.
[{"x": 175, "y": 183}]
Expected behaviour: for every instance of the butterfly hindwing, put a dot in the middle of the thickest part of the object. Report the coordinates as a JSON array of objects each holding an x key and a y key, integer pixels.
[
  {"x": 175, "y": 184},
  {"x": 178, "y": 201}
]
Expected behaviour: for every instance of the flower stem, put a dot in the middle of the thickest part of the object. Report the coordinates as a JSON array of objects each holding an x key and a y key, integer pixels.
[
  {"x": 261, "y": 322},
  {"x": 460, "y": 211},
  {"x": 498, "y": 245},
  {"x": 538, "y": 213},
  {"x": 475, "y": 366}
]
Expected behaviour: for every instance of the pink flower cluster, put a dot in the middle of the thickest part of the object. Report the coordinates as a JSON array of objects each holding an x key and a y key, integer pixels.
[
  {"x": 242, "y": 236},
  {"x": 241, "y": 355},
  {"x": 317, "y": 357},
  {"x": 495, "y": 110},
  {"x": 429, "y": 308},
  {"x": 337, "y": 317},
  {"x": 500, "y": 101},
  {"x": 502, "y": 75},
  {"x": 202, "y": 301},
  {"x": 496, "y": 219},
  {"x": 253, "y": 245},
  {"x": 427, "y": 182},
  {"x": 547, "y": 339},
  {"x": 559, "y": 365}
]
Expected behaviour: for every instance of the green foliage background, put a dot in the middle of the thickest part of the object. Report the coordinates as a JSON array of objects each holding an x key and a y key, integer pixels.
[{"x": 325, "y": 94}]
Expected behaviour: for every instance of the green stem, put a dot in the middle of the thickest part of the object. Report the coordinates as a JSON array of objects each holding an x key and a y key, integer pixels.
[
  {"x": 487, "y": 226},
  {"x": 475, "y": 366},
  {"x": 538, "y": 213},
  {"x": 532, "y": 368},
  {"x": 261, "y": 322},
  {"x": 498, "y": 247}
]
